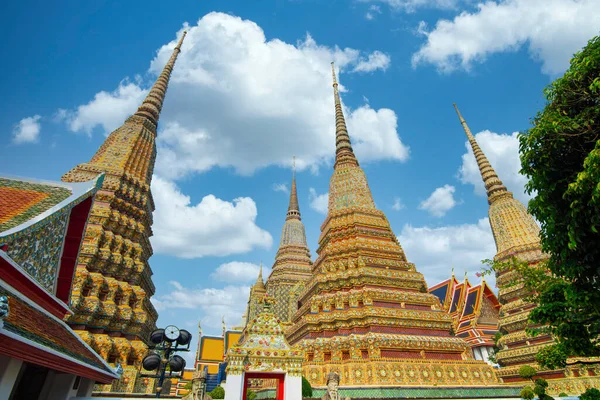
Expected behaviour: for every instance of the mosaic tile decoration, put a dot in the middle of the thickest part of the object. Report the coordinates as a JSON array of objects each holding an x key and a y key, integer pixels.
[
  {"x": 32, "y": 324},
  {"x": 20, "y": 201},
  {"x": 407, "y": 393},
  {"x": 38, "y": 253}
]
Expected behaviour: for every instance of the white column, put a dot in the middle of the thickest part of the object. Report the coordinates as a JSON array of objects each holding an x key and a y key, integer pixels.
[
  {"x": 293, "y": 387},
  {"x": 233, "y": 387},
  {"x": 9, "y": 371},
  {"x": 85, "y": 387}
]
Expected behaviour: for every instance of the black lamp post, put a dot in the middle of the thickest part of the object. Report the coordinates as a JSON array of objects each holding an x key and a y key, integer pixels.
[{"x": 165, "y": 342}]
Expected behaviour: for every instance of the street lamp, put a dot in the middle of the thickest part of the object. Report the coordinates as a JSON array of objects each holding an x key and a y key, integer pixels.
[{"x": 165, "y": 342}]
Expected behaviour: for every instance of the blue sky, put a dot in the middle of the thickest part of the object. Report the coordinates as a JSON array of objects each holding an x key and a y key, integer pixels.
[{"x": 252, "y": 88}]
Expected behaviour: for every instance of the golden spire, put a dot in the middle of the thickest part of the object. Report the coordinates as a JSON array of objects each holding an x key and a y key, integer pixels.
[
  {"x": 260, "y": 284},
  {"x": 343, "y": 147},
  {"x": 293, "y": 208},
  {"x": 493, "y": 185},
  {"x": 153, "y": 103}
]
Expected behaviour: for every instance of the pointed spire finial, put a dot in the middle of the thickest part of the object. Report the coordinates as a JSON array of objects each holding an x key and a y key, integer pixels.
[
  {"x": 152, "y": 105},
  {"x": 343, "y": 146},
  {"x": 493, "y": 185},
  {"x": 453, "y": 270},
  {"x": 293, "y": 208}
]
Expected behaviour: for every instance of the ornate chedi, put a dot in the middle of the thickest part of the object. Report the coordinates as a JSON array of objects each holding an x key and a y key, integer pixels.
[
  {"x": 474, "y": 312},
  {"x": 293, "y": 266},
  {"x": 517, "y": 235},
  {"x": 257, "y": 291},
  {"x": 111, "y": 293},
  {"x": 366, "y": 313}
]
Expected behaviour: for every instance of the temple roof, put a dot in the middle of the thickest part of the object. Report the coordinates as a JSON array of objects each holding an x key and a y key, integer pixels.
[
  {"x": 25, "y": 202},
  {"x": 39, "y": 337}
]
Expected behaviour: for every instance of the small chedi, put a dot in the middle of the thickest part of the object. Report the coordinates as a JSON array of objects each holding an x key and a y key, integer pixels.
[
  {"x": 264, "y": 353},
  {"x": 111, "y": 294},
  {"x": 474, "y": 310},
  {"x": 517, "y": 235}
]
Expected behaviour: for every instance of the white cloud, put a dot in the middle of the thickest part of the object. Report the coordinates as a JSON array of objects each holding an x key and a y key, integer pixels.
[
  {"x": 373, "y": 10},
  {"x": 229, "y": 302},
  {"x": 502, "y": 151},
  {"x": 239, "y": 272},
  {"x": 440, "y": 201},
  {"x": 376, "y": 60},
  {"x": 108, "y": 110},
  {"x": 318, "y": 202},
  {"x": 436, "y": 250},
  {"x": 213, "y": 227},
  {"x": 412, "y": 5},
  {"x": 239, "y": 100},
  {"x": 27, "y": 130},
  {"x": 281, "y": 187},
  {"x": 398, "y": 205},
  {"x": 552, "y": 29}
]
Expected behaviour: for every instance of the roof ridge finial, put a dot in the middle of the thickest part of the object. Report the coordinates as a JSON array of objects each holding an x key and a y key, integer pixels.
[
  {"x": 343, "y": 146},
  {"x": 493, "y": 185},
  {"x": 152, "y": 104},
  {"x": 293, "y": 208}
]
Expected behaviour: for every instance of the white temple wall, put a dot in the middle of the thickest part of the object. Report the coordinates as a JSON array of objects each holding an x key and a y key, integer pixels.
[
  {"x": 233, "y": 387},
  {"x": 292, "y": 388}
]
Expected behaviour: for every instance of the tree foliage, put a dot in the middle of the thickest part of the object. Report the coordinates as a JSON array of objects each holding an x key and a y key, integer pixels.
[
  {"x": 218, "y": 393},
  {"x": 306, "y": 389},
  {"x": 560, "y": 155},
  {"x": 590, "y": 394},
  {"x": 527, "y": 393},
  {"x": 527, "y": 372}
]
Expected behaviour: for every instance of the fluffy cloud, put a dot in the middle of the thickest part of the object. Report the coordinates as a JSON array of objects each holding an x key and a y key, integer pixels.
[
  {"x": 233, "y": 92},
  {"x": 238, "y": 272},
  {"x": 436, "y": 250},
  {"x": 27, "y": 130},
  {"x": 502, "y": 151},
  {"x": 440, "y": 201},
  {"x": 213, "y": 227},
  {"x": 398, "y": 205},
  {"x": 376, "y": 60},
  {"x": 552, "y": 29},
  {"x": 318, "y": 202},
  {"x": 281, "y": 187},
  {"x": 214, "y": 304},
  {"x": 107, "y": 110},
  {"x": 412, "y": 5}
]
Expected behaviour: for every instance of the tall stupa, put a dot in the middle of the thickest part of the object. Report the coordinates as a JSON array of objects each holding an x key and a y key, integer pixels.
[
  {"x": 366, "y": 312},
  {"x": 111, "y": 292},
  {"x": 292, "y": 267},
  {"x": 517, "y": 235}
]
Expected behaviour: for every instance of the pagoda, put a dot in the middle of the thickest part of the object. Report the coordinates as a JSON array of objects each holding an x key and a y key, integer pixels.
[
  {"x": 474, "y": 310},
  {"x": 517, "y": 235},
  {"x": 366, "y": 312},
  {"x": 257, "y": 292},
  {"x": 292, "y": 267},
  {"x": 111, "y": 293}
]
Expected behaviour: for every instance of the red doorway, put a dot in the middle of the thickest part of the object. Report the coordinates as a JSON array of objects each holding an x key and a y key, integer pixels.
[{"x": 280, "y": 377}]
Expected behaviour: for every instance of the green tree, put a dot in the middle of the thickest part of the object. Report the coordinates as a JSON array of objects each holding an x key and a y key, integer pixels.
[
  {"x": 218, "y": 393},
  {"x": 527, "y": 393},
  {"x": 188, "y": 386},
  {"x": 590, "y": 394},
  {"x": 560, "y": 155},
  {"x": 306, "y": 389},
  {"x": 527, "y": 372}
]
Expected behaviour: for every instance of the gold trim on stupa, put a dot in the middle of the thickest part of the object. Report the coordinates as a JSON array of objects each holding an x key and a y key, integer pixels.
[{"x": 111, "y": 291}]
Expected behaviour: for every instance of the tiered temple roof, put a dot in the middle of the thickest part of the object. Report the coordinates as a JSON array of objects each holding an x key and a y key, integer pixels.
[
  {"x": 517, "y": 235},
  {"x": 113, "y": 286},
  {"x": 41, "y": 228},
  {"x": 474, "y": 311},
  {"x": 292, "y": 266},
  {"x": 366, "y": 312}
]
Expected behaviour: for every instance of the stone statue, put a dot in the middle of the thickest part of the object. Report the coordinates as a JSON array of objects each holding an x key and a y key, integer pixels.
[
  {"x": 198, "y": 388},
  {"x": 333, "y": 381}
]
